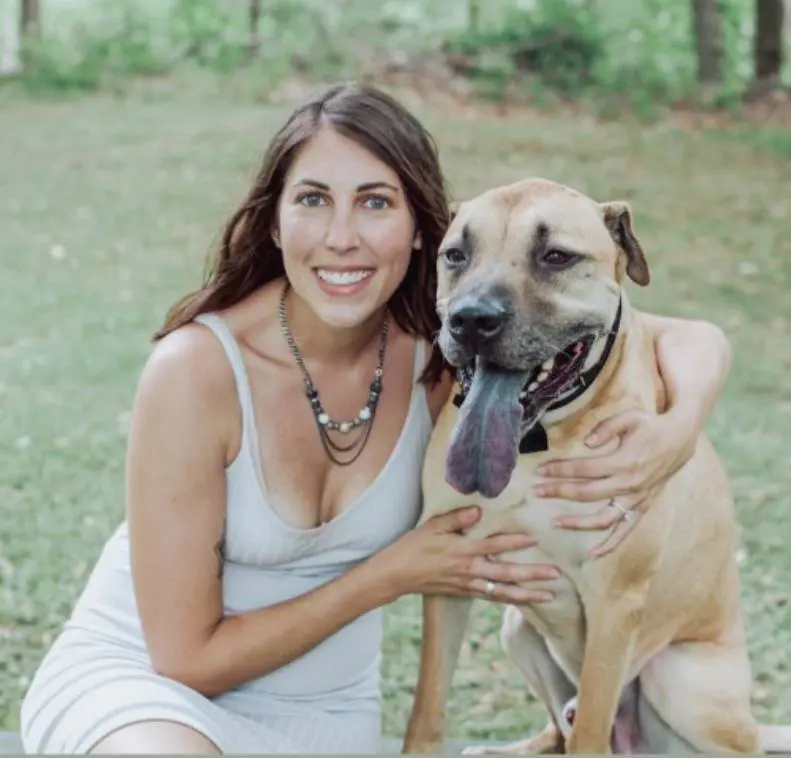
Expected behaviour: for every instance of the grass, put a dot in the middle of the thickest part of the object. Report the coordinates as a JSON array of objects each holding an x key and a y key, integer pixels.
[{"x": 108, "y": 207}]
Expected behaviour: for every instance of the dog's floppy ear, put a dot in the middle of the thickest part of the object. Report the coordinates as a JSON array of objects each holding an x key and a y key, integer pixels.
[
  {"x": 618, "y": 219},
  {"x": 453, "y": 207}
]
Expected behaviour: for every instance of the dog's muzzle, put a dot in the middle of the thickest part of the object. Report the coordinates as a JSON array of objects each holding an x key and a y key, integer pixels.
[{"x": 474, "y": 322}]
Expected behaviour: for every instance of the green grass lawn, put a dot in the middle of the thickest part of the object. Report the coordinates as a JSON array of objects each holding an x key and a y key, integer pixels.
[{"x": 107, "y": 208}]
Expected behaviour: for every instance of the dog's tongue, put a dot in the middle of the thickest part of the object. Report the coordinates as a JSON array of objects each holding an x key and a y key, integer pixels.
[{"x": 484, "y": 444}]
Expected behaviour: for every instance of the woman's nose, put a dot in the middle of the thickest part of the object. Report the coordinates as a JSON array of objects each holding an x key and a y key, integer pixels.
[{"x": 342, "y": 233}]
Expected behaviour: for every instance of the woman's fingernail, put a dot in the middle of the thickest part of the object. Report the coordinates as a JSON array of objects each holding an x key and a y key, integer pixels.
[
  {"x": 540, "y": 491},
  {"x": 541, "y": 597},
  {"x": 543, "y": 470},
  {"x": 592, "y": 439}
]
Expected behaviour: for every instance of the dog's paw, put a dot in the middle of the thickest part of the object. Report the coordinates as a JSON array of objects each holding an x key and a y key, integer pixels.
[
  {"x": 548, "y": 741},
  {"x": 480, "y": 751}
]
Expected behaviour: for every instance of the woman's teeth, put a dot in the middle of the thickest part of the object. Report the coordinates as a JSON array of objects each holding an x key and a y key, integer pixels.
[{"x": 343, "y": 277}]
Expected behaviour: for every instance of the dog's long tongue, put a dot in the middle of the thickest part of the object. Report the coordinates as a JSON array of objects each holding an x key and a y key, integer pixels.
[{"x": 485, "y": 442}]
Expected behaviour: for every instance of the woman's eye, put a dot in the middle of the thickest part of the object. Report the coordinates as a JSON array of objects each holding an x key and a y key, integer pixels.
[
  {"x": 376, "y": 203},
  {"x": 557, "y": 258},
  {"x": 310, "y": 199},
  {"x": 454, "y": 257}
]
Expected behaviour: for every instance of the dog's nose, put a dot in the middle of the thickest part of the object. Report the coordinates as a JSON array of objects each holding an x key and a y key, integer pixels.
[{"x": 477, "y": 320}]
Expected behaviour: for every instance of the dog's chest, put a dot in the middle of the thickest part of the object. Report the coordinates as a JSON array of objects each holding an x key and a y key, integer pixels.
[
  {"x": 560, "y": 622},
  {"x": 526, "y": 512}
]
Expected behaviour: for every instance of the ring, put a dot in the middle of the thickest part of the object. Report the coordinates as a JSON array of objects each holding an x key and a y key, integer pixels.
[
  {"x": 627, "y": 514},
  {"x": 490, "y": 588}
]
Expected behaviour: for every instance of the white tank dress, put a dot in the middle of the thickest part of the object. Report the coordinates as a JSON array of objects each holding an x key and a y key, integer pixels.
[{"x": 97, "y": 676}]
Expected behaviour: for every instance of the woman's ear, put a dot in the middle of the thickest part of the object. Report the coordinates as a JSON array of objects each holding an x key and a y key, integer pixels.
[
  {"x": 275, "y": 237},
  {"x": 417, "y": 243}
]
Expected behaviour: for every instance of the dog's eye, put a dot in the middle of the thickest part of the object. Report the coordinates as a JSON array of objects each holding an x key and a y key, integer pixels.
[
  {"x": 557, "y": 258},
  {"x": 454, "y": 257}
]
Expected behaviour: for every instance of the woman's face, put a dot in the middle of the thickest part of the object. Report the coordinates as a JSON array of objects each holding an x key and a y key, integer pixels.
[{"x": 345, "y": 229}]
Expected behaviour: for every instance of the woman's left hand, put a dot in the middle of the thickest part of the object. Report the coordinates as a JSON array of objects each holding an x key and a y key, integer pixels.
[{"x": 650, "y": 450}]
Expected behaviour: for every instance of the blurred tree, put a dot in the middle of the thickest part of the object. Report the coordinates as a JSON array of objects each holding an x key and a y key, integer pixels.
[
  {"x": 10, "y": 61},
  {"x": 254, "y": 19},
  {"x": 707, "y": 20},
  {"x": 30, "y": 19},
  {"x": 29, "y": 29},
  {"x": 768, "y": 45},
  {"x": 474, "y": 16}
]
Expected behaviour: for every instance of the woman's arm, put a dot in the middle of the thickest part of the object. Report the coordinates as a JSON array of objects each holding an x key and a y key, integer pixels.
[
  {"x": 178, "y": 447},
  {"x": 258, "y": 642},
  {"x": 693, "y": 358}
]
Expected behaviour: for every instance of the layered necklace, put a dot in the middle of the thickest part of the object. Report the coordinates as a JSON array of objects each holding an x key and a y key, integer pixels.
[{"x": 351, "y": 448}]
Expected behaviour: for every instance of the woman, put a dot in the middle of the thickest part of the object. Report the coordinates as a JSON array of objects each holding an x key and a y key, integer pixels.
[{"x": 274, "y": 462}]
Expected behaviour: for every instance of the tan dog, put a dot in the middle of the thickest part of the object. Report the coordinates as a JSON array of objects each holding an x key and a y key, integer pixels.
[{"x": 649, "y": 639}]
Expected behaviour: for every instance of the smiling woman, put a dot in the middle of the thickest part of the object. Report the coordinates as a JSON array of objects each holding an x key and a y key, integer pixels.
[{"x": 273, "y": 469}]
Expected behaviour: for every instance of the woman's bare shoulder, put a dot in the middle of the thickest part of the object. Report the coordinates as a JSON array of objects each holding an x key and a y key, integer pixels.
[
  {"x": 188, "y": 381},
  {"x": 192, "y": 358}
]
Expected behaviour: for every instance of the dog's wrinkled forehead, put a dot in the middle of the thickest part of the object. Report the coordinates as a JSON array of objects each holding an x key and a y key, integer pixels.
[{"x": 508, "y": 221}]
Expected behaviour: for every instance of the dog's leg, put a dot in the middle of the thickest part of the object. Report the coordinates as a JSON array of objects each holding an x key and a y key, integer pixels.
[
  {"x": 702, "y": 692},
  {"x": 444, "y": 624},
  {"x": 546, "y": 680},
  {"x": 612, "y": 629}
]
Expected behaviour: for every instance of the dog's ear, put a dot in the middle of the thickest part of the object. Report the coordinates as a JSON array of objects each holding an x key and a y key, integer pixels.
[{"x": 618, "y": 219}]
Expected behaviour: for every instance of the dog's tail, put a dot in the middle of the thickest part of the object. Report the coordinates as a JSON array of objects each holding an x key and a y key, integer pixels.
[{"x": 775, "y": 739}]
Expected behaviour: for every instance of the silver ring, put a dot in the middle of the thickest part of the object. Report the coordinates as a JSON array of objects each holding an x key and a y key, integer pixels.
[
  {"x": 626, "y": 514},
  {"x": 490, "y": 588}
]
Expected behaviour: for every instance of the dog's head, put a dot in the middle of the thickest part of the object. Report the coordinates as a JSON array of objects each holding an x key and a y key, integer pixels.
[
  {"x": 527, "y": 270},
  {"x": 530, "y": 277}
]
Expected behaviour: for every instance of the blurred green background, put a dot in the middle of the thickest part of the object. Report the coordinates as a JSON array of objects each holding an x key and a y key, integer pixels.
[{"x": 129, "y": 131}]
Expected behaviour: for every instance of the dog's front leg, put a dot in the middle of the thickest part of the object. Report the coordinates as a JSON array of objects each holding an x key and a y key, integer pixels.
[
  {"x": 444, "y": 623},
  {"x": 612, "y": 629}
]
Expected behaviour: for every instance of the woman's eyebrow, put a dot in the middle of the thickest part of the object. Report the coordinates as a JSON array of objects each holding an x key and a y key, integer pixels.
[
  {"x": 360, "y": 188},
  {"x": 312, "y": 183},
  {"x": 375, "y": 186}
]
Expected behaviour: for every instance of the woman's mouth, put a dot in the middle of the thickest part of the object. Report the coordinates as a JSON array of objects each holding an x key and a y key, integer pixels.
[{"x": 343, "y": 281}]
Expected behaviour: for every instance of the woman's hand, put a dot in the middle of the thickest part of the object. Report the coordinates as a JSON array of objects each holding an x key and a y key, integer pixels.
[
  {"x": 651, "y": 449},
  {"x": 436, "y": 558}
]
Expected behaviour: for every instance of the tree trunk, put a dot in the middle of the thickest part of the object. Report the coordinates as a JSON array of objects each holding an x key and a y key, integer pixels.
[
  {"x": 768, "y": 43},
  {"x": 30, "y": 19},
  {"x": 254, "y": 18},
  {"x": 707, "y": 18},
  {"x": 10, "y": 58},
  {"x": 474, "y": 16}
]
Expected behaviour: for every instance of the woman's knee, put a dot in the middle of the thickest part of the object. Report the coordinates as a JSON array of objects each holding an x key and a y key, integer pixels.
[{"x": 156, "y": 737}]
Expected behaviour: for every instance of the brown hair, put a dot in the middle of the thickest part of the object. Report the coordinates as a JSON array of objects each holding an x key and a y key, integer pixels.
[{"x": 247, "y": 257}]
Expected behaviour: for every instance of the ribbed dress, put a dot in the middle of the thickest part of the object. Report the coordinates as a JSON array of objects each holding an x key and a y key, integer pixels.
[{"x": 97, "y": 676}]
